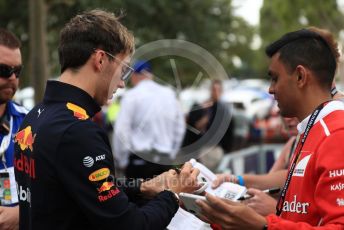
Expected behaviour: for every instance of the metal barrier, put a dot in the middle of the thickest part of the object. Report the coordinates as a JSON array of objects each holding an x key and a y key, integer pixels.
[{"x": 256, "y": 159}]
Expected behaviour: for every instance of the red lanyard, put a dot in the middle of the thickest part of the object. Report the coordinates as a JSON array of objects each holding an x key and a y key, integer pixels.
[{"x": 311, "y": 121}]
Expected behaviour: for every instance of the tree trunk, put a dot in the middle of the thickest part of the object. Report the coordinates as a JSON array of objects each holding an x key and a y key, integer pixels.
[{"x": 38, "y": 47}]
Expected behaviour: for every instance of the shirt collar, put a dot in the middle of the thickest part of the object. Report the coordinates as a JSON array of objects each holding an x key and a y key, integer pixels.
[
  {"x": 328, "y": 108},
  {"x": 57, "y": 91},
  {"x": 11, "y": 110}
]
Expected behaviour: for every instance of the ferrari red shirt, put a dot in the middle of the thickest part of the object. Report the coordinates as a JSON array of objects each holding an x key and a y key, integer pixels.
[{"x": 315, "y": 196}]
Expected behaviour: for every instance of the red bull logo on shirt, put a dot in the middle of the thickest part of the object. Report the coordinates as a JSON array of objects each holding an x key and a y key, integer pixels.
[
  {"x": 106, "y": 186},
  {"x": 24, "y": 194},
  {"x": 100, "y": 174},
  {"x": 24, "y": 164},
  {"x": 25, "y": 138},
  {"x": 110, "y": 194},
  {"x": 78, "y": 112}
]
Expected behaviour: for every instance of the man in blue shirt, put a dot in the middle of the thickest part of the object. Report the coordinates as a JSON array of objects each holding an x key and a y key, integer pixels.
[{"x": 11, "y": 116}]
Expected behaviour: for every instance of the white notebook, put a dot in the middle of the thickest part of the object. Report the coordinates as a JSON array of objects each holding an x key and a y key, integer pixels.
[
  {"x": 187, "y": 221},
  {"x": 226, "y": 190}
]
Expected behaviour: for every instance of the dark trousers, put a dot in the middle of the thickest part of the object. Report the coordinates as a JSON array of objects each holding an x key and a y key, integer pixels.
[{"x": 140, "y": 168}]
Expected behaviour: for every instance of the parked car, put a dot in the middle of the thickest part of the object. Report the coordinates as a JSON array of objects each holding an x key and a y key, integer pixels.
[{"x": 254, "y": 102}]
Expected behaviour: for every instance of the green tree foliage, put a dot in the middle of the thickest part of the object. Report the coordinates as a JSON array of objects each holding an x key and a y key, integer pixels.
[
  {"x": 14, "y": 15},
  {"x": 208, "y": 23},
  {"x": 278, "y": 17}
]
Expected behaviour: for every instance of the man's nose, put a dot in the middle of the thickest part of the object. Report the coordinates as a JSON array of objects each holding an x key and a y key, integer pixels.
[
  {"x": 121, "y": 84},
  {"x": 12, "y": 77},
  {"x": 271, "y": 90}
]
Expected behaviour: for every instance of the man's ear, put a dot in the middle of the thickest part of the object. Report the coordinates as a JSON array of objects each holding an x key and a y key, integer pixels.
[
  {"x": 302, "y": 75},
  {"x": 97, "y": 61}
]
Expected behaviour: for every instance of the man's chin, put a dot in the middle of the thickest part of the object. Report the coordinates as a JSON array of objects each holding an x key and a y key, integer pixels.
[
  {"x": 2, "y": 101},
  {"x": 5, "y": 98}
]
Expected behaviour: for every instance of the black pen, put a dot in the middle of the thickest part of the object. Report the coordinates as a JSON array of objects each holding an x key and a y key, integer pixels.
[
  {"x": 177, "y": 169},
  {"x": 267, "y": 191}
]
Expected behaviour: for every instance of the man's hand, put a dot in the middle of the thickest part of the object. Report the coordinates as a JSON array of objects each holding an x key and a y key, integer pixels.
[
  {"x": 152, "y": 187},
  {"x": 229, "y": 214},
  {"x": 225, "y": 177},
  {"x": 9, "y": 218},
  {"x": 261, "y": 202},
  {"x": 185, "y": 181}
]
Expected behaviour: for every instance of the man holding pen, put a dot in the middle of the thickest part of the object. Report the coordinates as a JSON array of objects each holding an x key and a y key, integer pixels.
[{"x": 63, "y": 162}]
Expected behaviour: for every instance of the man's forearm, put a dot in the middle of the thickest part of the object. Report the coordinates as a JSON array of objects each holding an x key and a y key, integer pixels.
[
  {"x": 265, "y": 181},
  {"x": 130, "y": 186}
]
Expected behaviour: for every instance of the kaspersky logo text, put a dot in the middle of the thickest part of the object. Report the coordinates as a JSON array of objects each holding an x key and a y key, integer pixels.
[{"x": 25, "y": 138}]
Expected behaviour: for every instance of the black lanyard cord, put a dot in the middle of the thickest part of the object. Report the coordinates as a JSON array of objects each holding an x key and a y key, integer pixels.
[
  {"x": 334, "y": 91},
  {"x": 298, "y": 149}
]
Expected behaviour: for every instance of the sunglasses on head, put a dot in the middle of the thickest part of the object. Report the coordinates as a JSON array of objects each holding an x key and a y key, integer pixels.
[{"x": 6, "y": 71}]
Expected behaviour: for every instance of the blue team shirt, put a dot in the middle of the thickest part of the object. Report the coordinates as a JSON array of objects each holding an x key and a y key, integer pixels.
[{"x": 18, "y": 113}]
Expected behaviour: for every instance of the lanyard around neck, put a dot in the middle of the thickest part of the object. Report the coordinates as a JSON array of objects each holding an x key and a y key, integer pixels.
[
  {"x": 5, "y": 143},
  {"x": 298, "y": 149},
  {"x": 334, "y": 91}
]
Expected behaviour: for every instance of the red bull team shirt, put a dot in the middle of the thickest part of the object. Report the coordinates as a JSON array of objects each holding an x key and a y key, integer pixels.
[{"x": 65, "y": 172}]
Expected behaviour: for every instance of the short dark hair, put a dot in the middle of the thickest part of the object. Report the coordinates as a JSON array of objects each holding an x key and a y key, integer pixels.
[
  {"x": 88, "y": 31},
  {"x": 307, "y": 48},
  {"x": 8, "y": 39}
]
